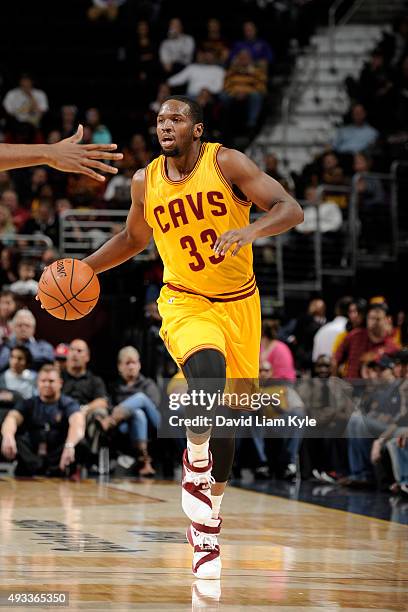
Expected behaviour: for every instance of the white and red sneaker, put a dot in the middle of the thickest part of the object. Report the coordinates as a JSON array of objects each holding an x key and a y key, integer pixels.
[
  {"x": 196, "y": 490},
  {"x": 206, "y": 556}
]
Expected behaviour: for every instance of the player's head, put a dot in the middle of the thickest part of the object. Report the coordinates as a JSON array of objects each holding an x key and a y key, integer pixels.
[{"x": 179, "y": 125}]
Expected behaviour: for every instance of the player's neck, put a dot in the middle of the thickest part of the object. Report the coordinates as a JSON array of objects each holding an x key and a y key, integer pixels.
[{"x": 179, "y": 167}]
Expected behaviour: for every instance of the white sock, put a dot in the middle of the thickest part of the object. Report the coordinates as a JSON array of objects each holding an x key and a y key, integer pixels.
[
  {"x": 198, "y": 453},
  {"x": 216, "y": 505}
]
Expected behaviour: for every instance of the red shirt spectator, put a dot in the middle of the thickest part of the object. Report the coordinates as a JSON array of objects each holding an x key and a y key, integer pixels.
[{"x": 366, "y": 344}]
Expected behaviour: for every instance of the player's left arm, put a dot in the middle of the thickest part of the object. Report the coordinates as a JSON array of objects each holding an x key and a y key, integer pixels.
[{"x": 282, "y": 211}]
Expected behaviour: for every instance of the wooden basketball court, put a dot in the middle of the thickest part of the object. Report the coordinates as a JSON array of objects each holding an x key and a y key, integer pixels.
[{"x": 121, "y": 546}]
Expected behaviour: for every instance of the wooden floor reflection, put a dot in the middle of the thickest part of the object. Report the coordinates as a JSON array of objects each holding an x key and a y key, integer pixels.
[{"x": 121, "y": 546}]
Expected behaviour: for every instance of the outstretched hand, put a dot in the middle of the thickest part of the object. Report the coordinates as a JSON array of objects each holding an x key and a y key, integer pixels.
[{"x": 70, "y": 156}]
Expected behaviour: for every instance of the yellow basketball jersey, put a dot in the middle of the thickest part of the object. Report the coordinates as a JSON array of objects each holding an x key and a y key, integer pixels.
[{"x": 187, "y": 217}]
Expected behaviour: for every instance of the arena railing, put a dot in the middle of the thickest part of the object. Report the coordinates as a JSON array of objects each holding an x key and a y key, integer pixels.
[
  {"x": 268, "y": 267},
  {"x": 295, "y": 262},
  {"x": 83, "y": 231},
  {"x": 29, "y": 245},
  {"x": 337, "y": 249}
]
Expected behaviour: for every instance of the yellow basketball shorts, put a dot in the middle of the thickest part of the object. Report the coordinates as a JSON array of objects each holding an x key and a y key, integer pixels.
[{"x": 192, "y": 323}]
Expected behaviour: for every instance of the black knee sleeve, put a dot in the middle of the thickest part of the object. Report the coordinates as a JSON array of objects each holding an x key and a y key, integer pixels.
[
  {"x": 204, "y": 371},
  {"x": 223, "y": 450}
]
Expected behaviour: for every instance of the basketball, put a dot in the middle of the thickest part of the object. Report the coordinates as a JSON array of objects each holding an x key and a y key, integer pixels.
[{"x": 68, "y": 289}]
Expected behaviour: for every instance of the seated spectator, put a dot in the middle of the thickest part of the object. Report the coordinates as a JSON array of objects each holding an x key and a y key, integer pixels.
[
  {"x": 19, "y": 214},
  {"x": 370, "y": 189},
  {"x": 18, "y": 377},
  {"x": 260, "y": 51},
  {"x": 276, "y": 353},
  {"x": 357, "y": 135},
  {"x": 43, "y": 432},
  {"x": 290, "y": 404},
  {"x": 204, "y": 73},
  {"x": 395, "y": 45},
  {"x": 25, "y": 103},
  {"x": 365, "y": 344},
  {"x": 136, "y": 402},
  {"x": 118, "y": 188},
  {"x": 48, "y": 256},
  {"x": 80, "y": 383},
  {"x": 324, "y": 215},
  {"x": 142, "y": 57},
  {"x": 375, "y": 90},
  {"x": 215, "y": 42},
  {"x": 107, "y": 9},
  {"x": 39, "y": 178},
  {"x": 304, "y": 331},
  {"x": 329, "y": 163},
  {"x": 244, "y": 82},
  {"x": 69, "y": 120},
  {"x": 136, "y": 154},
  {"x": 356, "y": 315},
  {"x": 271, "y": 167},
  {"x": 60, "y": 356},
  {"x": 176, "y": 51},
  {"x": 26, "y": 283},
  {"x": 209, "y": 107},
  {"x": 45, "y": 221},
  {"x": 398, "y": 450},
  {"x": 23, "y": 325},
  {"x": 8, "y": 308},
  {"x": 9, "y": 259},
  {"x": 100, "y": 133},
  {"x": 372, "y": 419},
  {"x": 7, "y": 227},
  {"x": 327, "y": 399},
  {"x": 325, "y": 337}
]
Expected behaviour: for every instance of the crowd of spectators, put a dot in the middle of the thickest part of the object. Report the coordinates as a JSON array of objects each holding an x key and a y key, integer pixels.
[{"x": 349, "y": 373}]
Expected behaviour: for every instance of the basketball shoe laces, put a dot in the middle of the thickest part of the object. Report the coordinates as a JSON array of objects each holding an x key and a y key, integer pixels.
[{"x": 204, "y": 481}]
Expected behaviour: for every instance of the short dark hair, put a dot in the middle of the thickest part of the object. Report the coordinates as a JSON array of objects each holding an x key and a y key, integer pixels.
[
  {"x": 23, "y": 349},
  {"x": 49, "y": 367},
  {"x": 382, "y": 307},
  {"x": 196, "y": 112},
  {"x": 342, "y": 306}
]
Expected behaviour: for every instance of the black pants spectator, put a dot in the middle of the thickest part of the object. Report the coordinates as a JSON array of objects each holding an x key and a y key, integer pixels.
[{"x": 30, "y": 463}]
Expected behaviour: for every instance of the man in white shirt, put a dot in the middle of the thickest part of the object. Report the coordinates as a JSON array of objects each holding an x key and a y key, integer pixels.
[
  {"x": 202, "y": 74},
  {"x": 324, "y": 339},
  {"x": 26, "y": 104},
  {"x": 177, "y": 50}
]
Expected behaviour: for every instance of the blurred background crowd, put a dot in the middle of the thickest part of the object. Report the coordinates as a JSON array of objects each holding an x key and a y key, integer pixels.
[{"x": 336, "y": 345}]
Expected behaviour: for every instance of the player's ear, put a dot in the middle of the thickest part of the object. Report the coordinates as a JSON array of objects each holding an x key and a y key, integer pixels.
[{"x": 198, "y": 130}]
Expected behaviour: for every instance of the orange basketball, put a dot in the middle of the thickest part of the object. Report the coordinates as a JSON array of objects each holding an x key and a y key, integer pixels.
[{"x": 68, "y": 289}]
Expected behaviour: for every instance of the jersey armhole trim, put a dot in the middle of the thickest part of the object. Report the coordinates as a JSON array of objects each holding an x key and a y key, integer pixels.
[
  {"x": 225, "y": 182},
  {"x": 145, "y": 194}
]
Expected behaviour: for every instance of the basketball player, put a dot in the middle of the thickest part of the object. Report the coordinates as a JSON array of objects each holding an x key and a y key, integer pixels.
[
  {"x": 66, "y": 155},
  {"x": 195, "y": 201}
]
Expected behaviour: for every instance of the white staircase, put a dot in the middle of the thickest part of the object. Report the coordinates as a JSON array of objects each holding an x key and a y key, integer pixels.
[{"x": 318, "y": 99}]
